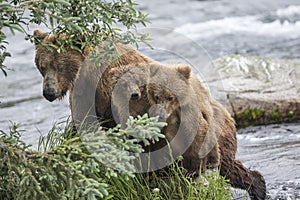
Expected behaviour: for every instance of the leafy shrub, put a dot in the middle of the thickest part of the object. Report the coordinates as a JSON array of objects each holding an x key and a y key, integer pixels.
[
  {"x": 67, "y": 170},
  {"x": 85, "y": 23}
]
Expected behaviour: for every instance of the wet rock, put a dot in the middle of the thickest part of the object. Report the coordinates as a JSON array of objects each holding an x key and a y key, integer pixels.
[{"x": 257, "y": 90}]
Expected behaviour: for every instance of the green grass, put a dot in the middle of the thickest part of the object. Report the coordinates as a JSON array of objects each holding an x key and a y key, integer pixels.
[{"x": 170, "y": 185}]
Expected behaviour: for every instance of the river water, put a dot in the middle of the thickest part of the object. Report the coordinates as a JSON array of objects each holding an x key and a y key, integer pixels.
[{"x": 258, "y": 27}]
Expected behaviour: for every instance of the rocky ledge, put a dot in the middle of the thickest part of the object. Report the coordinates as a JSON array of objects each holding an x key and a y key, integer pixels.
[{"x": 257, "y": 90}]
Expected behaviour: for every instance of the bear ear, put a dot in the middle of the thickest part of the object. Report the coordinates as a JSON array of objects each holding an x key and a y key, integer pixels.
[
  {"x": 185, "y": 71},
  {"x": 39, "y": 36}
]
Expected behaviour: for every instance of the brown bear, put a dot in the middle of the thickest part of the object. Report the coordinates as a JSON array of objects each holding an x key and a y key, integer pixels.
[
  {"x": 174, "y": 93},
  {"x": 74, "y": 71},
  {"x": 198, "y": 127}
]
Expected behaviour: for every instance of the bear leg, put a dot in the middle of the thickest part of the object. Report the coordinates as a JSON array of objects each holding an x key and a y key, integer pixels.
[
  {"x": 241, "y": 177},
  {"x": 213, "y": 158}
]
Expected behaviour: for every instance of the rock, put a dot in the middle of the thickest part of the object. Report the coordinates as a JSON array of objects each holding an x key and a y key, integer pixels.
[{"x": 257, "y": 90}]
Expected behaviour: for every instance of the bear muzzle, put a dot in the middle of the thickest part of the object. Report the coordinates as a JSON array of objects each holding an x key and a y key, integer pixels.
[
  {"x": 49, "y": 94},
  {"x": 135, "y": 95},
  {"x": 160, "y": 111}
]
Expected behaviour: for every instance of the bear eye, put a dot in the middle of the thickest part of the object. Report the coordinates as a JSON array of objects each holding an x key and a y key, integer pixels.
[
  {"x": 171, "y": 98},
  {"x": 59, "y": 68},
  {"x": 156, "y": 97}
]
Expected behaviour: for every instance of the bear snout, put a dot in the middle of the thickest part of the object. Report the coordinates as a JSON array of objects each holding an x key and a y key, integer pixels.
[
  {"x": 158, "y": 110},
  {"x": 162, "y": 116},
  {"x": 135, "y": 95},
  {"x": 49, "y": 94}
]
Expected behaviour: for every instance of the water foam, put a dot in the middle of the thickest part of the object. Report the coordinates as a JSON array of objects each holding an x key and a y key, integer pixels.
[
  {"x": 245, "y": 25},
  {"x": 289, "y": 11}
]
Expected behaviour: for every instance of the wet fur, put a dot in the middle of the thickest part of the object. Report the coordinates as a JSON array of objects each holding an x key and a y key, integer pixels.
[{"x": 214, "y": 122}]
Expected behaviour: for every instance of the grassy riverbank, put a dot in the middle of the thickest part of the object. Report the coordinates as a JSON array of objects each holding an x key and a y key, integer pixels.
[{"x": 64, "y": 169}]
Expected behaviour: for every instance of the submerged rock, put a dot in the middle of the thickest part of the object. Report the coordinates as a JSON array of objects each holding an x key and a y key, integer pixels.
[{"x": 257, "y": 90}]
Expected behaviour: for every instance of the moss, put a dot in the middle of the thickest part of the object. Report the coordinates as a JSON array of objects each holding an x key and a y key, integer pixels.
[
  {"x": 275, "y": 114},
  {"x": 257, "y": 117},
  {"x": 256, "y": 114},
  {"x": 249, "y": 114},
  {"x": 249, "y": 117}
]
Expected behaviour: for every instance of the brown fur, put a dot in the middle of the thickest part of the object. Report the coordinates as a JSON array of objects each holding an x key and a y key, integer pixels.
[
  {"x": 73, "y": 71},
  {"x": 115, "y": 94},
  {"x": 178, "y": 97},
  {"x": 214, "y": 142}
]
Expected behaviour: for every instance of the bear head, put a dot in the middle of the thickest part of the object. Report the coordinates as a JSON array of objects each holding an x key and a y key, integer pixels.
[
  {"x": 130, "y": 81},
  {"x": 168, "y": 89},
  {"x": 59, "y": 70}
]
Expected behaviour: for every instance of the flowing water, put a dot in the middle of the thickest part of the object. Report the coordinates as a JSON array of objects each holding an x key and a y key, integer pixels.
[
  {"x": 258, "y": 27},
  {"x": 275, "y": 151}
]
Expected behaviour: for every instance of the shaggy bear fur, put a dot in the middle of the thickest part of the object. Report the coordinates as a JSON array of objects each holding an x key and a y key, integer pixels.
[
  {"x": 199, "y": 128},
  {"x": 209, "y": 133},
  {"x": 74, "y": 71},
  {"x": 121, "y": 95},
  {"x": 178, "y": 98}
]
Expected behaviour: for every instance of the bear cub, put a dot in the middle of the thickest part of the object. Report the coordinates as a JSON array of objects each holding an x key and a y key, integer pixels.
[{"x": 175, "y": 95}]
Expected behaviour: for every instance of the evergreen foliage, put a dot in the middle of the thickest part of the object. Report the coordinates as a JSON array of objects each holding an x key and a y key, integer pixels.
[
  {"x": 96, "y": 164},
  {"x": 67, "y": 169},
  {"x": 85, "y": 23}
]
